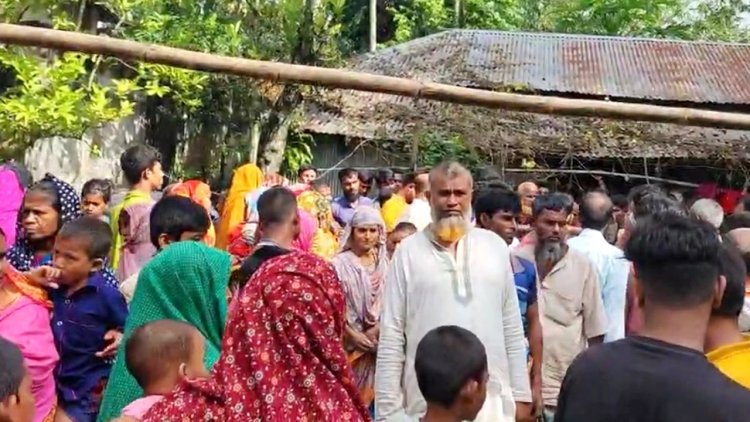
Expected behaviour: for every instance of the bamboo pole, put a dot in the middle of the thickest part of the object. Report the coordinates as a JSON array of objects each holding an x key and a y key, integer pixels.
[{"x": 344, "y": 79}]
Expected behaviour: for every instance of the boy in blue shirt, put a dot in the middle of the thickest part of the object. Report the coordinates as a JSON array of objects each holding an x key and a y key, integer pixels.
[
  {"x": 498, "y": 210},
  {"x": 87, "y": 318}
]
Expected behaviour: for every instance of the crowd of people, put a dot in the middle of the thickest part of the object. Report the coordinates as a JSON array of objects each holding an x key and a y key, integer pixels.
[{"x": 410, "y": 297}]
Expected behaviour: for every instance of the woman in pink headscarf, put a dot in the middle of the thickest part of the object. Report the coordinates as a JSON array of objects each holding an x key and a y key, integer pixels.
[{"x": 308, "y": 225}]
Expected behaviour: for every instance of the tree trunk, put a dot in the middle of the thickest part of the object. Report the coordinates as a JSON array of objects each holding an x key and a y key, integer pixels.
[
  {"x": 457, "y": 12},
  {"x": 254, "y": 141},
  {"x": 273, "y": 150},
  {"x": 373, "y": 25}
]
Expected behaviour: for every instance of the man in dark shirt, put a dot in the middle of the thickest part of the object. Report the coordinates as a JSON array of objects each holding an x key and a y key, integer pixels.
[
  {"x": 278, "y": 223},
  {"x": 661, "y": 375},
  {"x": 343, "y": 206}
]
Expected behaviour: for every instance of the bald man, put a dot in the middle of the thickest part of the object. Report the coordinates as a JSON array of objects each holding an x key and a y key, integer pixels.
[
  {"x": 742, "y": 238},
  {"x": 527, "y": 191},
  {"x": 612, "y": 269}
]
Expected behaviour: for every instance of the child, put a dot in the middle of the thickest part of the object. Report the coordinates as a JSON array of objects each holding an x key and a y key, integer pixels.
[
  {"x": 172, "y": 219},
  {"x": 451, "y": 369},
  {"x": 95, "y": 197},
  {"x": 400, "y": 232},
  {"x": 24, "y": 320},
  {"x": 141, "y": 166},
  {"x": 159, "y": 355},
  {"x": 88, "y": 315},
  {"x": 323, "y": 188},
  {"x": 16, "y": 400}
]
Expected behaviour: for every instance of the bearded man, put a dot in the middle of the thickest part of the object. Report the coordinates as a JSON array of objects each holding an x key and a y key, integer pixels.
[
  {"x": 568, "y": 294},
  {"x": 451, "y": 273}
]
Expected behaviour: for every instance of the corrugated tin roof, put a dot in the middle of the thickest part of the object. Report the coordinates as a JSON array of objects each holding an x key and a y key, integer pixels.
[
  {"x": 498, "y": 132},
  {"x": 700, "y": 72}
]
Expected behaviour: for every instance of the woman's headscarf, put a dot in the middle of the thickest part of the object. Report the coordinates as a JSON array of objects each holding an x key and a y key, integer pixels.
[
  {"x": 186, "y": 281},
  {"x": 25, "y": 286},
  {"x": 325, "y": 243},
  {"x": 200, "y": 193},
  {"x": 13, "y": 189},
  {"x": 282, "y": 358},
  {"x": 246, "y": 179},
  {"x": 362, "y": 288},
  {"x": 137, "y": 248},
  {"x": 21, "y": 255},
  {"x": 307, "y": 227}
]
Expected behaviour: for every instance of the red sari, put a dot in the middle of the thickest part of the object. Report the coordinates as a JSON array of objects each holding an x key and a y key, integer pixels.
[{"x": 282, "y": 357}]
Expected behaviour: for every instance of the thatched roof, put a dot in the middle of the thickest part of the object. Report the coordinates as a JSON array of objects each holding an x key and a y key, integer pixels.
[{"x": 452, "y": 57}]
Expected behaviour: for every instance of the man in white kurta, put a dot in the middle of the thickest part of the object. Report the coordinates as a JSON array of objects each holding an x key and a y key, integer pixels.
[{"x": 470, "y": 285}]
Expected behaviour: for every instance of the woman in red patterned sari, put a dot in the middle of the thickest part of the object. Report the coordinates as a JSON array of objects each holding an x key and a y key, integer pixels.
[{"x": 282, "y": 357}]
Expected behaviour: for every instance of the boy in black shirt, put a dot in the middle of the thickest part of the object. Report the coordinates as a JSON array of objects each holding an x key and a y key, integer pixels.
[{"x": 661, "y": 375}]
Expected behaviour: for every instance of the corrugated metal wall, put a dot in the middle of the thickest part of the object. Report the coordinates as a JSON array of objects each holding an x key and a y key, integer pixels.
[{"x": 330, "y": 155}]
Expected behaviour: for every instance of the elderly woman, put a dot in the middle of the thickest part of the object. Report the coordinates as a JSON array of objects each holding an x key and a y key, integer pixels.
[{"x": 361, "y": 266}]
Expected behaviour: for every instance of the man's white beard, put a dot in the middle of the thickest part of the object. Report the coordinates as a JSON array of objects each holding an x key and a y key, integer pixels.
[
  {"x": 450, "y": 228},
  {"x": 550, "y": 252}
]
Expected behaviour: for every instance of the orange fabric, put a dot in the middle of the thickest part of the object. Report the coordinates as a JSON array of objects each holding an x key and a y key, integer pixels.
[
  {"x": 357, "y": 359},
  {"x": 246, "y": 179},
  {"x": 200, "y": 193},
  {"x": 26, "y": 286}
]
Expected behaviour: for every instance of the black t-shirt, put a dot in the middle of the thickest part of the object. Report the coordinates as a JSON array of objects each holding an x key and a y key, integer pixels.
[
  {"x": 252, "y": 263},
  {"x": 639, "y": 379}
]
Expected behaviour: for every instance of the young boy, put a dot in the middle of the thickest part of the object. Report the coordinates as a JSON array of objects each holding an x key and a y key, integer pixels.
[
  {"x": 87, "y": 318},
  {"x": 451, "y": 369},
  {"x": 498, "y": 210},
  {"x": 399, "y": 233},
  {"x": 16, "y": 399},
  {"x": 159, "y": 355},
  {"x": 726, "y": 347},
  {"x": 172, "y": 219},
  {"x": 141, "y": 167},
  {"x": 95, "y": 197}
]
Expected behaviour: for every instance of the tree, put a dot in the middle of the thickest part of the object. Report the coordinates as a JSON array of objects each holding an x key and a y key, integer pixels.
[
  {"x": 718, "y": 20},
  {"x": 217, "y": 113}
]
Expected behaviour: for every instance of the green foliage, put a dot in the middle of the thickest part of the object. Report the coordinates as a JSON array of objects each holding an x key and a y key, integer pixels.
[
  {"x": 435, "y": 148},
  {"x": 54, "y": 98},
  {"x": 42, "y": 94},
  {"x": 718, "y": 20},
  {"x": 297, "y": 154}
]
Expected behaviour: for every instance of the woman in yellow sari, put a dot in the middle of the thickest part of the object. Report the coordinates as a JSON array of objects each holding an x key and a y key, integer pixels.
[
  {"x": 325, "y": 240},
  {"x": 246, "y": 179}
]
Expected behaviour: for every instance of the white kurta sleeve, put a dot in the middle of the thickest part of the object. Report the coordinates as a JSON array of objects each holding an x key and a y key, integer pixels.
[
  {"x": 515, "y": 346},
  {"x": 392, "y": 344}
]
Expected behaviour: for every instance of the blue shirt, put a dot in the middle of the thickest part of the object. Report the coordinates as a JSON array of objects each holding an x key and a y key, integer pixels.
[
  {"x": 612, "y": 269},
  {"x": 79, "y": 323},
  {"x": 524, "y": 275},
  {"x": 343, "y": 210}
]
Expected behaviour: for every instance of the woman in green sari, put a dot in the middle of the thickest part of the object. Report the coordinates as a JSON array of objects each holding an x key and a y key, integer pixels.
[{"x": 187, "y": 281}]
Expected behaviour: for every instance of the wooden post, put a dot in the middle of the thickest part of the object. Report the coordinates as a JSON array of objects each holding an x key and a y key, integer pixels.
[
  {"x": 345, "y": 79},
  {"x": 373, "y": 25}
]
